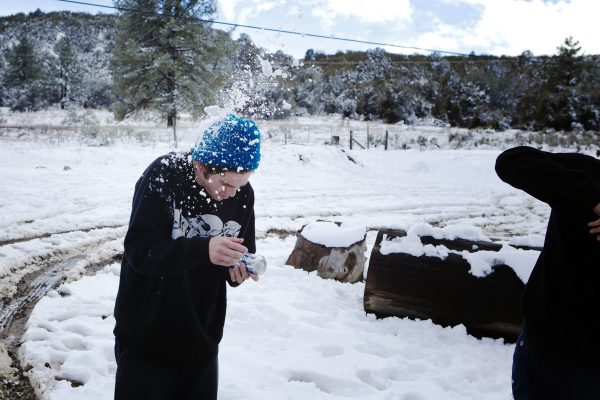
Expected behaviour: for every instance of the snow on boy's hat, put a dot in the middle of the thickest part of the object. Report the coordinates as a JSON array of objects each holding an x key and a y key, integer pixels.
[{"x": 232, "y": 142}]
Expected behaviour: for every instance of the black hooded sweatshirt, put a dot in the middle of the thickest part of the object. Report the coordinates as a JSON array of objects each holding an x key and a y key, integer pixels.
[
  {"x": 171, "y": 303},
  {"x": 561, "y": 302}
]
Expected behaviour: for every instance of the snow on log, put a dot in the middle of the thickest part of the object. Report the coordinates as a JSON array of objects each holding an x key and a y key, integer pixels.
[
  {"x": 334, "y": 250},
  {"x": 450, "y": 280}
]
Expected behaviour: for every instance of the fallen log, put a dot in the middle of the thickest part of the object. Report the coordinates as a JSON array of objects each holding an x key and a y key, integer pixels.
[{"x": 443, "y": 290}]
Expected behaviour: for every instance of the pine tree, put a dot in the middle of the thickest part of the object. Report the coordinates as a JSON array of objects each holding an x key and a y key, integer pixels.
[
  {"x": 309, "y": 89},
  {"x": 68, "y": 72},
  {"x": 568, "y": 66},
  {"x": 165, "y": 58},
  {"x": 22, "y": 78},
  {"x": 2, "y": 85},
  {"x": 558, "y": 107}
]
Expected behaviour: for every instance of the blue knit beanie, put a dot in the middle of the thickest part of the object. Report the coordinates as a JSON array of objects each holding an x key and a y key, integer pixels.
[{"x": 232, "y": 142}]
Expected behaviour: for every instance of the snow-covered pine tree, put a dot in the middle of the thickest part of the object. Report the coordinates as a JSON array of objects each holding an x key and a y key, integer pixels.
[
  {"x": 67, "y": 71},
  {"x": 309, "y": 88},
  {"x": 22, "y": 78},
  {"x": 559, "y": 106},
  {"x": 2, "y": 85},
  {"x": 165, "y": 58}
]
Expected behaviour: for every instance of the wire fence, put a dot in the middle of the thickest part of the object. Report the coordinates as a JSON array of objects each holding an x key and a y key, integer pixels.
[
  {"x": 85, "y": 134},
  {"x": 354, "y": 135}
]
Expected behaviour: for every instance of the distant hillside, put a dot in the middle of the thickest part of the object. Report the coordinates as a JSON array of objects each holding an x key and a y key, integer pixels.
[{"x": 92, "y": 37}]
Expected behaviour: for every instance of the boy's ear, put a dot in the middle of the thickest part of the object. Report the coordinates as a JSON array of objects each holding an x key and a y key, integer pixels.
[{"x": 199, "y": 167}]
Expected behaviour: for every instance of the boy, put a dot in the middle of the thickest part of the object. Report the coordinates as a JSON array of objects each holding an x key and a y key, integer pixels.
[{"x": 192, "y": 219}]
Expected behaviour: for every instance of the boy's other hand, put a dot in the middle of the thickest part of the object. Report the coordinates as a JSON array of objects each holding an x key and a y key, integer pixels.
[
  {"x": 239, "y": 273},
  {"x": 226, "y": 251}
]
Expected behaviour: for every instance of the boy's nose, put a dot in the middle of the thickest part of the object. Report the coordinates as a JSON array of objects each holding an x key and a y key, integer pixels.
[{"x": 228, "y": 192}]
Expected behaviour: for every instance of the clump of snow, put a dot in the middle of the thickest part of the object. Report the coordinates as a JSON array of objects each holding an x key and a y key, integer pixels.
[
  {"x": 420, "y": 167},
  {"x": 330, "y": 234},
  {"x": 481, "y": 262},
  {"x": 521, "y": 261},
  {"x": 5, "y": 362},
  {"x": 411, "y": 244},
  {"x": 216, "y": 112},
  {"x": 266, "y": 67},
  {"x": 450, "y": 232},
  {"x": 532, "y": 240},
  {"x": 237, "y": 97}
]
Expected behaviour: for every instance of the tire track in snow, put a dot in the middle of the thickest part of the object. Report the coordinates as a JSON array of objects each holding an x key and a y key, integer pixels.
[
  {"x": 44, "y": 272},
  {"x": 22, "y": 258},
  {"x": 47, "y": 235},
  {"x": 14, "y": 220}
]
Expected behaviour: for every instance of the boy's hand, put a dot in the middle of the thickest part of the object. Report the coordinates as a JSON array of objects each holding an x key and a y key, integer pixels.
[
  {"x": 595, "y": 225},
  {"x": 239, "y": 273},
  {"x": 595, "y": 228},
  {"x": 226, "y": 251}
]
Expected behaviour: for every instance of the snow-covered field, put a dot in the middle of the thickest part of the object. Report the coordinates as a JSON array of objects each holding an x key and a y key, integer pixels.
[{"x": 291, "y": 335}]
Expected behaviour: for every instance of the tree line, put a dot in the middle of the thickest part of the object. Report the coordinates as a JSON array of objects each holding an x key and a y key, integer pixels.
[
  {"x": 526, "y": 92},
  {"x": 158, "y": 55}
]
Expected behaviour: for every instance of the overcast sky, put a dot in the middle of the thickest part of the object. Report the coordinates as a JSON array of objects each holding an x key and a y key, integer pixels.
[{"x": 498, "y": 27}]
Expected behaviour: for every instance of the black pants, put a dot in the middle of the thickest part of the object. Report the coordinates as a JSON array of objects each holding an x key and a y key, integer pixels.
[
  {"x": 538, "y": 374},
  {"x": 140, "y": 379}
]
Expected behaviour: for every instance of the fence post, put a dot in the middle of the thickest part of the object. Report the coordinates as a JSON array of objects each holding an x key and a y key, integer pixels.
[
  {"x": 367, "y": 135},
  {"x": 386, "y": 140},
  {"x": 350, "y": 139}
]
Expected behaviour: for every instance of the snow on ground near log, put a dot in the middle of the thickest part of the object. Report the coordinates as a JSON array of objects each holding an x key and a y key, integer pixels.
[{"x": 291, "y": 335}]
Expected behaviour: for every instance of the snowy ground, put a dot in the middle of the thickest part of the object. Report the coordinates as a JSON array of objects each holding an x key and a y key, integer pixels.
[{"x": 291, "y": 335}]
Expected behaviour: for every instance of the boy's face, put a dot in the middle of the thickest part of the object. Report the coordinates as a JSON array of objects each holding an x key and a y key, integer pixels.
[{"x": 220, "y": 186}]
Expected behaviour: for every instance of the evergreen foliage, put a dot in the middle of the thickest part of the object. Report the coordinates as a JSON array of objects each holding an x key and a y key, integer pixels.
[
  {"x": 164, "y": 58},
  {"x": 559, "y": 92},
  {"x": 23, "y": 78},
  {"x": 90, "y": 39},
  {"x": 68, "y": 73}
]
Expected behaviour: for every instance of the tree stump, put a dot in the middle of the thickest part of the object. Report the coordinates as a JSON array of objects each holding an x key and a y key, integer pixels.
[
  {"x": 444, "y": 291},
  {"x": 342, "y": 263}
]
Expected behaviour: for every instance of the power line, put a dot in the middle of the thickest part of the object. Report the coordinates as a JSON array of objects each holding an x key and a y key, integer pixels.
[
  {"x": 493, "y": 59},
  {"x": 412, "y": 62},
  {"x": 259, "y": 28}
]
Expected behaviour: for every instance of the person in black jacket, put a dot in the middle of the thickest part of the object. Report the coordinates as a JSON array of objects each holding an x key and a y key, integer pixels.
[
  {"x": 557, "y": 355},
  {"x": 191, "y": 222}
]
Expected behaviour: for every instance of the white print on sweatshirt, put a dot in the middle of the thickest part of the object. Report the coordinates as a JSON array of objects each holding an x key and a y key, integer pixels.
[{"x": 205, "y": 225}]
